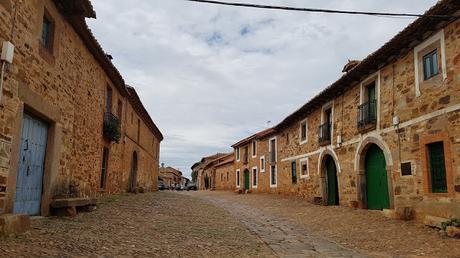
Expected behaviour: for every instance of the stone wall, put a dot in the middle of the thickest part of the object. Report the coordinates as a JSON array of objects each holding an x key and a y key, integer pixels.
[
  {"x": 66, "y": 88},
  {"x": 432, "y": 116}
]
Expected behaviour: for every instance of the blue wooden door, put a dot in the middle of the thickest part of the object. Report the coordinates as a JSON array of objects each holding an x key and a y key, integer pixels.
[{"x": 31, "y": 166}]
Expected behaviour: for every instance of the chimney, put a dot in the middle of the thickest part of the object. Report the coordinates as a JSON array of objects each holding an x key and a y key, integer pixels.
[{"x": 350, "y": 66}]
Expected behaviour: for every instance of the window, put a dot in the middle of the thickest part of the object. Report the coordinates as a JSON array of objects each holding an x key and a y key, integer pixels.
[
  {"x": 138, "y": 130},
  {"x": 132, "y": 118},
  {"x": 325, "y": 129},
  {"x": 367, "y": 111},
  {"x": 437, "y": 167},
  {"x": 254, "y": 177},
  {"x": 246, "y": 154},
  {"x": 254, "y": 149},
  {"x": 304, "y": 168},
  {"x": 430, "y": 65},
  {"x": 108, "y": 100},
  {"x": 47, "y": 36},
  {"x": 272, "y": 150},
  {"x": 294, "y": 172},
  {"x": 262, "y": 164},
  {"x": 238, "y": 178},
  {"x": 303, "y": 131},
  {"x": 227, "y": 177},
  {"x": 237, "y": 153},
  {"x": 273, "y": 176},
  {"x": 221, "y": 177},
  {"x": 119, "y": 109},
  {"x": 105, "y": 160}
]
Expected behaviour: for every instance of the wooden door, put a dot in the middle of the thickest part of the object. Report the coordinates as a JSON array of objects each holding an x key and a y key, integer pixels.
[
  {"x": 376, "y": 180},
  {"x": 31, "y": 166}
]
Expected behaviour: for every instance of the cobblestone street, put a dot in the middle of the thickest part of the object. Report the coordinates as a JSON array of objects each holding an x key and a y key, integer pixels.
[
  {"x": 159, "y": 224},
  {"x": 291, "y": 227},
  {"x": 224, "y": 224}
]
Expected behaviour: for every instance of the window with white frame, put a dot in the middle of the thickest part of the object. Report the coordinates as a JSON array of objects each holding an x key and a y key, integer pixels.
[
  {"x": 254, "y": 177},
  {"x": 237, "y": 178},
  {"x": 303, "y": 131},
  {"x": 430, "y": 63},
  {"x": 237, "y": 153},
  {"x": 273, "y": 176},
  {"x": 304, "y": 173},
  {"x": 262, "y": 164},
  {"x": 254, "y": 149},
  {"x": 272, "y": 150}
]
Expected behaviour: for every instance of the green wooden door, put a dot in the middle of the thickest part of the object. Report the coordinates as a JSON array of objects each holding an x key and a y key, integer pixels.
[
  {"x": 332, "y": 184},
  {"x": 376, "y": 180},
  {"x": 437, "y": 167},
  {"x": 246, "y": 180}
]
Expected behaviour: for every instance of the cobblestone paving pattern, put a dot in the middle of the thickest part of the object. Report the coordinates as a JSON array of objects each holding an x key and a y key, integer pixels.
[
  {"x": 367, "y": 232},
  {"x": 163, "y": 224},
  {"x": 284, "y": 238}
]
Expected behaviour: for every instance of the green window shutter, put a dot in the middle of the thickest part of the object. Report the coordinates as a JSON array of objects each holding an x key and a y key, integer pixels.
[{"x": 437, "y": 167}]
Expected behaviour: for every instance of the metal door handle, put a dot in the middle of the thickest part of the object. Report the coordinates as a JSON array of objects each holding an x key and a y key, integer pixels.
[
  {"x": 27, "y": 145},
  {"x": 28, "y": 171}
]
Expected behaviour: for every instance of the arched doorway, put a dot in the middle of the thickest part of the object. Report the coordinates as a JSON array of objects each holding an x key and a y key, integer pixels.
[
  {"x": 378, "y": 197},
  {"x": 332, "y": 186},
  {"x": 133, "y": 174},
  {"x": 247, "y": 181}
]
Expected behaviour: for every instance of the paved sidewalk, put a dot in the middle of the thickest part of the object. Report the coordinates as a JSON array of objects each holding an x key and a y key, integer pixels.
[{"x": 284, "y": 238}]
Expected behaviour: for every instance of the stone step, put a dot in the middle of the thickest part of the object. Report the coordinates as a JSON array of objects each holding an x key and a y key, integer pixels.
[{"x": 14, "y": 224}]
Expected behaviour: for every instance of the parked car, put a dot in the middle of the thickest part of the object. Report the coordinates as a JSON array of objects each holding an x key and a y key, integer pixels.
[
  {"x": 178, "y": 188},
  {"x": 192, "y": 187},
  {"x": 162, "y": 186}
]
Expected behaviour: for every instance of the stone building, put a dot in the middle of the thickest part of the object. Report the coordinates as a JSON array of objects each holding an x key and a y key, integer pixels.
[
  {"x": 385, "y": 136},
  {"x": 201, "y": 172},
  {"x": 170, "y": 176},
  {"x": 69, "y": 126}
]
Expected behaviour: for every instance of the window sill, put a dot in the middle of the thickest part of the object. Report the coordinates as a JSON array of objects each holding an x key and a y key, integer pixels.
[
  {"x": 367, "y": 128},
  {"x": 273, "y": 186},
  {"x": 305, "y": 177},
  {"x": 46, "y": 54},
  {"x": 324, "y": 143},
  {"x": 303, "y": 142}
]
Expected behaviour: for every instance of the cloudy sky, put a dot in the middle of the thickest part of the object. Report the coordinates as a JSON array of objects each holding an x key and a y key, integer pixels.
[{"x": 212, "y": 75}]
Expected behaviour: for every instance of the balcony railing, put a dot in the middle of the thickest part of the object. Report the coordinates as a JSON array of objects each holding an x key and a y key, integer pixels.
[
  {"x": 325, "y": 134},
  {"x": 112, "y": 127},
  {"x": 367, "y": 115}
]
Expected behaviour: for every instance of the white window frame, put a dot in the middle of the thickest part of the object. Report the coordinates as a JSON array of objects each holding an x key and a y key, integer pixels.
[
  {"x": 262, "y": 163},
  {"x": 306, "y": 131},
  {"x": 373, "y": 78},
  {"x": 237, "y": 154},
  {"x": 329, "y": 105},
  {"x": 276, "y": 176},
  {"x": 438, "y": 36},
  {"x": 254, "y": 149},
  {"x": 252, "y": 177},
  {"x": 300, "y": 166},
  {"x": 238, "y": 178},
  {"x": 276, "y": 148}
]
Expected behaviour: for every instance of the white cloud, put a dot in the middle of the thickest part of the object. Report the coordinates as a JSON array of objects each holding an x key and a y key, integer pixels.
[{"x": 211, "y": 75}]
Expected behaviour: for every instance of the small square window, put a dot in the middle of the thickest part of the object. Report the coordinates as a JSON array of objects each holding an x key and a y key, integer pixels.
[
  {"x": 304, "y": 168},
  {"x": 430, "y": 65},
  {"x": 406, "y": 169}
]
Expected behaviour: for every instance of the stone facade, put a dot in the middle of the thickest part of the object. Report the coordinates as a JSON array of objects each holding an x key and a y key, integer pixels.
[
  {"x": 66, "y": 85},
  {"x": 202, "y": 171},
  {"x": 411, "y": 112},
  {"x": 170, "y": 176},
  {"x": 223, "y": 175}
]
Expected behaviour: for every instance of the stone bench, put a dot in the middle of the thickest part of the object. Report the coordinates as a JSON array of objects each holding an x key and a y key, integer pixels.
[{"x": 68, "y": 206}]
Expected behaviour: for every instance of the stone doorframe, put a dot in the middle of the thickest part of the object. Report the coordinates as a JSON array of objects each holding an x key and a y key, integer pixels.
[
  {"x": 327, "y": 151},
  {"x": 360, "y": 168},
  {"x": 35, "y": 105}
]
